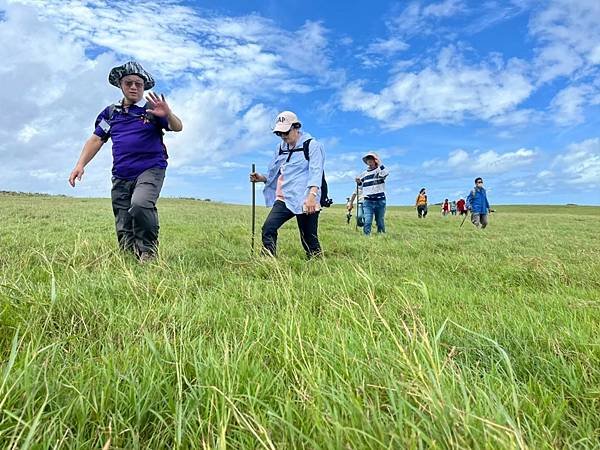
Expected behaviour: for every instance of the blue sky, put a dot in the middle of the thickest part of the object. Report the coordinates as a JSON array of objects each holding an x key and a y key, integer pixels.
[{"x": 443, "y": 90}]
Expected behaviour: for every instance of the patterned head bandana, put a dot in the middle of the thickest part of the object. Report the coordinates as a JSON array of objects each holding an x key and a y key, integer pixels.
[{"x": 130, "y": 68}]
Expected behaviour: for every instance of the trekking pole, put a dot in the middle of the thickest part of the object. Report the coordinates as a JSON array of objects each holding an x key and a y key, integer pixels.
[
  {"x": 463, "y": 221},
  {"x": 253, "y": 206}
]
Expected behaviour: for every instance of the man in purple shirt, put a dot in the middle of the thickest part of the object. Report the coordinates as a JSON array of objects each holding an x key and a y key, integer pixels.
[{"x": 139, "y": 157}]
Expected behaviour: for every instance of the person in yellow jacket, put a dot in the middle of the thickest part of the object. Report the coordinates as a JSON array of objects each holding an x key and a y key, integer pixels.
[{"x": 421, "y": 204}]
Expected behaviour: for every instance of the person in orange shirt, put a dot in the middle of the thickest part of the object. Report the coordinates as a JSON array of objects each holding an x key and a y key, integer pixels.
[{"x": 421, "y": 204}]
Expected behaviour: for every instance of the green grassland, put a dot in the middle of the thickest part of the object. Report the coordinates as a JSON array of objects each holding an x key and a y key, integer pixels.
[{"x": 432, "y": 336}]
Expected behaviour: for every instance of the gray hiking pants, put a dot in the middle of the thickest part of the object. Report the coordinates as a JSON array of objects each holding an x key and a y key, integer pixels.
[
  {"x": 479, "y": 220},
  {"x": 134, "y": 206}
]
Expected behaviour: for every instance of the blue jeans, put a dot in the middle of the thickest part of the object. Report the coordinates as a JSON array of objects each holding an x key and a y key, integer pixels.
[{"x": 374, "y": 208}]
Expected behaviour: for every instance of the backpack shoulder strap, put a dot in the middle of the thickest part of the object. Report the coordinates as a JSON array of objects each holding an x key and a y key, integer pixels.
[
  {"x": 305, "y": 148},
  {"x": 111, "y": 111}
]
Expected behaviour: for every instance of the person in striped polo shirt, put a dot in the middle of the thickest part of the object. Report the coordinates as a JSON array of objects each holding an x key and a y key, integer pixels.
[{"x": 372, "y": 182}]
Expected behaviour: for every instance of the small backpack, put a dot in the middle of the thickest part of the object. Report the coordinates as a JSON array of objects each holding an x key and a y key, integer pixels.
[{"x": 326, "y": 202}]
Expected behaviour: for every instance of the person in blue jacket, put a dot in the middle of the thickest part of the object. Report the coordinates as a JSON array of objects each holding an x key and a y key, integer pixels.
[{"x": 478, "y": 204}]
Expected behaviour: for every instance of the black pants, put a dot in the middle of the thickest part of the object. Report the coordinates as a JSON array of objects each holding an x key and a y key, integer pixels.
[
  {"x": 134, "y": 207},
  {"x": 307, "y": 225},
  {"x": 422, "y": 211}
]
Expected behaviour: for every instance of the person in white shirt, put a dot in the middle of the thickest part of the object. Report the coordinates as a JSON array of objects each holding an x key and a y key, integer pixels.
[{"x": 372, "y": 182}]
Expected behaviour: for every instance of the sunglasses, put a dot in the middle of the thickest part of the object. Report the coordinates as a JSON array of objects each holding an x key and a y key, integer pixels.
[
  {"x": 282, "y": 134},
  {"x": 480, "y": 182},
  {"x": 129, "y": 83}
]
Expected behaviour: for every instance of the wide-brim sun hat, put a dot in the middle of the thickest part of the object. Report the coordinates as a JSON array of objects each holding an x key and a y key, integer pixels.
[
  {"x": 284, "y": 121},
  {"x": 130, "y": 68},
  {"x": 370, "y": 155}
]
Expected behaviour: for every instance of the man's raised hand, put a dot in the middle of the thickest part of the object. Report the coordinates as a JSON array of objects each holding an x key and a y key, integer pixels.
[{"x": 159, "y": 106}]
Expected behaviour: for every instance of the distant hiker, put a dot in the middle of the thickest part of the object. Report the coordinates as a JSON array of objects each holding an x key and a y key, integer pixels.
[
  {"x": 421, "y": 204},
  {"x": 359, "y": 206},
  {"x": 139, "y": 157},
  {"x": 293, "y": 185},
  {"x": 453, "y": 207},
  {"x": 477, "y": 202},
  {"x": 461, "y": 206},
  {"x": 445, "y": 208},
  {"x": 372, "y": 182}
]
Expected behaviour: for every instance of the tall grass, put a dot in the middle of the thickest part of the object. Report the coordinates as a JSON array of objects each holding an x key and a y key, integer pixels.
[{"x": 432, "y": 336}]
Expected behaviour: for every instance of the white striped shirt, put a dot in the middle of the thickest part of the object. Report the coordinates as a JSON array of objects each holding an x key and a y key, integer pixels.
[{"x": 373, "y": 183}]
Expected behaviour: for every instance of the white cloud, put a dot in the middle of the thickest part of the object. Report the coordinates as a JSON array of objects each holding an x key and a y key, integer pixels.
[
  {"x": 449, "y": 92},
  {"x": 458, "y": 158},
  {"x": 530, "y": 193},
  {"x": 340, "y": 176},
  {"x": 219, "y": 124},
  {"x": 27, "y": 133},
  {"x": 517, "y": 118},
  {"x": 410, "y": 20},
  {"x": 569, "y": 37},
  {"x": 182, "y": 41},
  {"x": 489, "y": 162},
  {"x": 568, "y": 105},
  {"x": 580, "y": 164},
  {"x": 387, "y": 47},
  {"x": 446, "y": 8},
  {"x": 380, "y": 51},
  {"x": 489, "y": 13},
  {"x": 416, "y": 19},
  {"x": 232, "y": 165},
  {"x": 493, "y": 162},
  {"x": 557, "y": 60},
  {"x": 568, "y": 46}
]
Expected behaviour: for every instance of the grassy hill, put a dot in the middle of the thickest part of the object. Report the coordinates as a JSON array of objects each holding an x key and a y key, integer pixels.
[{"x": 432, "y": 336}]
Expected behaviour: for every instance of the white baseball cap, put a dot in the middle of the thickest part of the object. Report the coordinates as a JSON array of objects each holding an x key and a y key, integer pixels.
[{"x": 284, "y": 121}]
